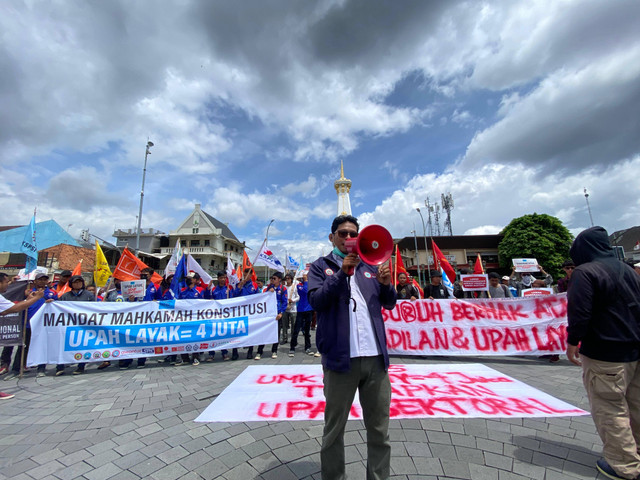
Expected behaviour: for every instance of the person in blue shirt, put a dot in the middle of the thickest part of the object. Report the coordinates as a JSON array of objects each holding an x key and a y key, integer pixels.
[
  {"x": 244, "y": 288},
  {"x": 164, "y": 292},
  {"x": 222, "y": 291},
  {"x": 48, "y": 295},
  {"x": 303, "y": 319},
  {"x": 281, "y": 300},
  {"x": 190, "y": 292}
]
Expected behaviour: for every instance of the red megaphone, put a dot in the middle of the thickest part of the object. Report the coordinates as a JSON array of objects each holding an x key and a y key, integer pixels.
[{"x": 373, "y": 245}]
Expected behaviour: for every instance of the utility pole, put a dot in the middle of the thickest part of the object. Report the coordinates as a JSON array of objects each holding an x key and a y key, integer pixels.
[{"x": 586, "y": 197}]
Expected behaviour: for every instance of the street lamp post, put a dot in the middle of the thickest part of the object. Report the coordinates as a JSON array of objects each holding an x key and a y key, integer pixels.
[
  {"x": 144, "y": 173},
  {"x": 415, "y": 239},
  {"x": 426, "y": 250}
]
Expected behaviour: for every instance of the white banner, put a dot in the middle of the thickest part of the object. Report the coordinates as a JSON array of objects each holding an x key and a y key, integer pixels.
[
  {"x": 68, "y": 332},
  {"x": 294, "y": 392},
  {"x": 133, "y": 288},
  {"x": 525, "y": 264},
  {"x": 499, "y": 326},
  {"x": 536, "y": 292}
]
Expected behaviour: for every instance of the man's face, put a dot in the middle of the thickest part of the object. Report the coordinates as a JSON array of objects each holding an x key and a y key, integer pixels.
[
  {"x": 344, "y": 231},
  {"x": 436, "y": 280},
  {"x": 4, "y": 284},
  {"x": 91, "y": 289},
  {"x": 569, "y": 270},
  {"x": 494, "y": 282},
  {"x": 64, "y": 279},
  {"x": 222, "y": 280},
  {"x": 288, "y": 280},
  {"x": 260, "y": 284},
  {"x": 144, "y": 276},
  {"x": 77, "y": 284},
  {"x": 41, "y": 282},
  {"x": 117, "y": 283},
  {"x": 275, "y": 280},
  {"x": 402, "y": 279}
]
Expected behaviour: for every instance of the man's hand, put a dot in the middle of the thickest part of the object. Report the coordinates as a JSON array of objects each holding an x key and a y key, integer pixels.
[
  {"x": 413, "y": 298},
  {"x": 573, "y": 355},
  {"x": 36, "y": 295},
  {"x": 350, "y": 261},
  {"x": 279, "y": 316},
  {"x": 384, "y": 274}
]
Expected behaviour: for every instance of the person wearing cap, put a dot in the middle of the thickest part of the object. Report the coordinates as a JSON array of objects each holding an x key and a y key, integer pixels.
[
  {"x": 63, "y": 279},
  {"x": 524, "y": 280},
  {"x": 78, "y": 293},
  {"x": 563, "y": 284},
  {"x": 436, "y": 290}
]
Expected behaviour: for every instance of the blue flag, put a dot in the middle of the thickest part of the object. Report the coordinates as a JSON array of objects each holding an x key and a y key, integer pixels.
[
  {"x": 29, "y": 247},
  {"x": 180, "y": 277}
]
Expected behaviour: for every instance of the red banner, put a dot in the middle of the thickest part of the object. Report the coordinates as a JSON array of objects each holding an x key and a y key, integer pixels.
[{"x": 522, "y": 326}]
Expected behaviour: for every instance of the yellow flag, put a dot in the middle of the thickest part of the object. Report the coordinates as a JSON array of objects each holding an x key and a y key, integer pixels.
[{"x": 101, "y": 272}]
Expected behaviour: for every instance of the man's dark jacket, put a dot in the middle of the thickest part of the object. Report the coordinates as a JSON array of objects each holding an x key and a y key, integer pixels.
[
  {"x": 603, "y": 301},
  {"x": 329, "y": 295}
]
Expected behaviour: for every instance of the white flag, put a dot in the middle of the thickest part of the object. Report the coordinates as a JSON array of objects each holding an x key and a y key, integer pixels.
[
  {"x": 194, "y": 266},
  {"x": 231, "y": 275},
  {"x": 174, "y": 260},
  {"x": 266, "y": 257}
]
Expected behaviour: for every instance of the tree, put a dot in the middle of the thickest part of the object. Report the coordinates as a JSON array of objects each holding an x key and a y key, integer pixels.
[{"x": 537, "y": 236}]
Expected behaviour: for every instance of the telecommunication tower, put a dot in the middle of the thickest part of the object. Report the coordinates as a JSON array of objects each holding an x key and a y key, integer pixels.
[
  {"x": 430, "y": 211},
  {"x": 447, "y": 206},
  {"x": 436, "y": 215}
]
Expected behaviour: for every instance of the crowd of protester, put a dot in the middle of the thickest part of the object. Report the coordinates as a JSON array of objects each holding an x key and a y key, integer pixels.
[{"x": 291, "y": 298}]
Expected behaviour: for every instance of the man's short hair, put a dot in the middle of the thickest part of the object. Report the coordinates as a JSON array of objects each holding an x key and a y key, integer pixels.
[
  {"x": 288, "y": 275},
  {"x": 277, "y": 274},
  {"x": 65, "y": 273},
  {"x": 3, "y": 276},
  {"x": 494, "y": 275},
  {"x": 148, "y": 270},
  {"x": 339, "y": 220},
  {"x": 222, "y": 273},
  {"x": 568, "y": 263},
  {"x": 435, "y": 273}
]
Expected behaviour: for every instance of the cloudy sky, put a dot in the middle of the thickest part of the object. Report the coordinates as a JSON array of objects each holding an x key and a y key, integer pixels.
[{"x": 512, "y": 107}]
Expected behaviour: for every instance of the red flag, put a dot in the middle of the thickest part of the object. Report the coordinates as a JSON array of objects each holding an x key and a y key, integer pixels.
[
  {"x": 441, "y": 261},
  {"x": 397, "y": 267},
  {"x": 129, "y": 268},
  {"x": 67, "y": 288},
  {"x": 246, "y": 263},
  {"x": 478, "y": 269}
]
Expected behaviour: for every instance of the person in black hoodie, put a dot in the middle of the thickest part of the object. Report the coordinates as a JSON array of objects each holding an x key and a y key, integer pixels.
[{"x": 604, "y": 338}]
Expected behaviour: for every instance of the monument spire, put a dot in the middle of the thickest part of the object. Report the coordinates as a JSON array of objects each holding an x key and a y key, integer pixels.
[{"x": 342, "y": 186}]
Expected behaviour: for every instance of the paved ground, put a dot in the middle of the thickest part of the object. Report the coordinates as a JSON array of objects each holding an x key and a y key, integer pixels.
[{"x": 139, "y": 424}]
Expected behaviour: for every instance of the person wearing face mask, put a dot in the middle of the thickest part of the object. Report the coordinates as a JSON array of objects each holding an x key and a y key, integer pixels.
[{"x": 524, "y": 280}]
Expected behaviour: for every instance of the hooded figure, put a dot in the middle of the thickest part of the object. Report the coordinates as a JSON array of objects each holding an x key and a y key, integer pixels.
[{"x": 604, "y": 325}]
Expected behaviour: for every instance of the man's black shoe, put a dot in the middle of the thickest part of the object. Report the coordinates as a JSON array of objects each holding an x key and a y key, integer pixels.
[{"x": 607, "y": 470}]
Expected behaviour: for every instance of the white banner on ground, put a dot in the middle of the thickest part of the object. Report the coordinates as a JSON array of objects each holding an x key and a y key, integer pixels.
[
  {"x": 294, "y": 392},
  {"x": 499, "y": 326},
  {"x": 68, "y": 332}
]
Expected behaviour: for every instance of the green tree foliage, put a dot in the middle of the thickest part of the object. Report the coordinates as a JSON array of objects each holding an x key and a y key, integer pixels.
[{"x": 536, "y": 236}]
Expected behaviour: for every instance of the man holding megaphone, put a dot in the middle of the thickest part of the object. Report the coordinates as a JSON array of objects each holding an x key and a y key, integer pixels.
[{"x": 348, "y": 289}]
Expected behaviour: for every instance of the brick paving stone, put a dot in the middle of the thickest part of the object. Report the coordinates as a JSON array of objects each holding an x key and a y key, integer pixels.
[
  {"x": 130, "y": 459},
  {"x": 104, "y": 472},
  {"x": 241, "y": 472},
  {"x": 74, "y": 471},
  {"x": 169, "y": 472},
  {"x": 146, "y": 468},
  {"x": 402, "y": 466},
  {"x": 456, "y": 469},
  {"x": 195, "y": 460},
  {"x": 497, "y": 461},
  {"x": 173, "y": 454}
]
